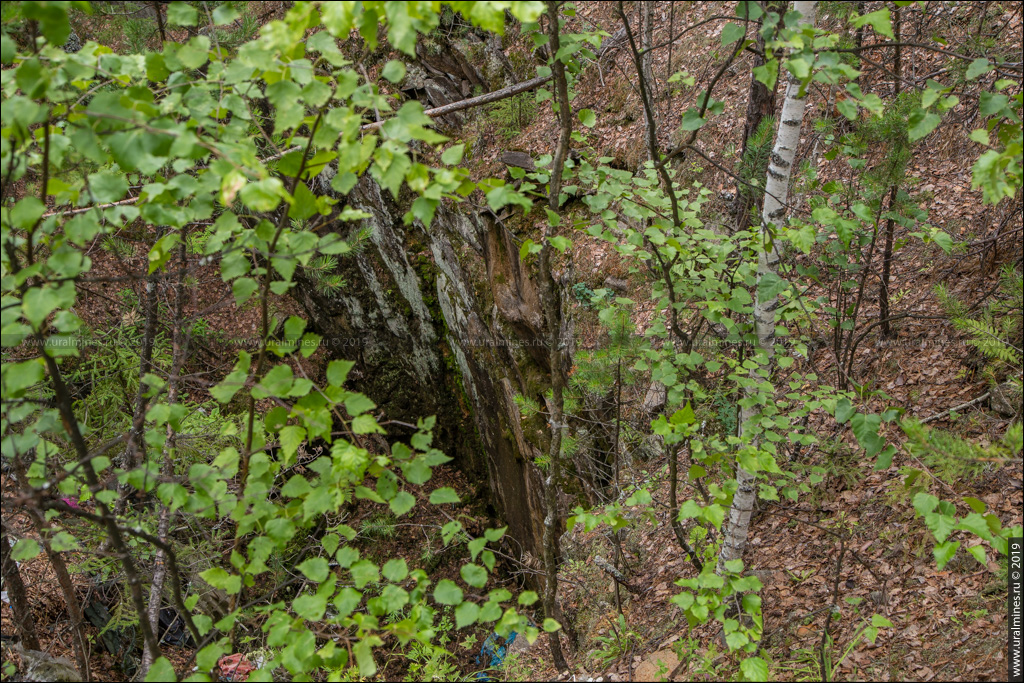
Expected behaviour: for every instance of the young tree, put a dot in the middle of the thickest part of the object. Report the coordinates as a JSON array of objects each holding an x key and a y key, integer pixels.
[
  {"x": 883, "y": 287},
  {"x": 766, "y": 299},
  {"x": 551, "y": 302}
]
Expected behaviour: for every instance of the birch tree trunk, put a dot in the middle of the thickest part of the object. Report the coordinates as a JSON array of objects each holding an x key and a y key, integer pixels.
[{"x": 773, "y": 214}]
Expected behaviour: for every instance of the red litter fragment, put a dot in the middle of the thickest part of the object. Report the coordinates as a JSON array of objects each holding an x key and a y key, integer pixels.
[{"x": 234, "y": 668}]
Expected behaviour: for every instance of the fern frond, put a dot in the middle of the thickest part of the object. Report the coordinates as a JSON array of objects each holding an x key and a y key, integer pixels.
[
  {"x": 989, "y": 339},
  {"x": 953, "y": 307}
]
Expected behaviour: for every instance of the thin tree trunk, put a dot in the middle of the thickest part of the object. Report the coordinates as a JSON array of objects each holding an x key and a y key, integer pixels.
[
  {"x": 983, "y": 7},
  {"x": 859, "y": 41},
  {"x": 23, "y": 618},
  {"x": 135, "y": 450},
  {"x": 80, "y": 642},
  {"x": 158, "y": 10},
  {"x": 845, "y": 368},
  {"x": 650, "y": 127},
  {"x": 616, "y": 535},
  {"x": 760, "y": 100},
  {"x": 774, "y": 212},
  {"x": 156, "y": 589},
  {"x": 671, "y": 67},
  {"x": 883, "y": 289},
  {"x": 553, "y": 319},
  {"x": 673, "y": 503},
  {"x": 760, "y": 103},
  {"x": 178, "y": 353},
  {"x": 646, "y": 41}
]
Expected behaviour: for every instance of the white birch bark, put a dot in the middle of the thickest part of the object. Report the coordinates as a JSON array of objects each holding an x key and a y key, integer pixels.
[{"x": 776, "y": 195}]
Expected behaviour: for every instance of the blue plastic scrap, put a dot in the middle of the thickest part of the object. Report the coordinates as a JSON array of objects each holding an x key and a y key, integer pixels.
[{"x": 493, "y": 652}]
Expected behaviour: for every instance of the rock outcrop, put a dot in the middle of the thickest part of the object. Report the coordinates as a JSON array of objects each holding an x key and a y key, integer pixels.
[{"x": 445, "y": 321}]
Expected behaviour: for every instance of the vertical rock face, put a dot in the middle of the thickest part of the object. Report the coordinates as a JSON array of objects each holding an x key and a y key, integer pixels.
[{"x": 444, "y": 321}]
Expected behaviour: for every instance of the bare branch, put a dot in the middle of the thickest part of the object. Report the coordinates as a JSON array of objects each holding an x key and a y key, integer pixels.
[{"x": 472, "y": 101}]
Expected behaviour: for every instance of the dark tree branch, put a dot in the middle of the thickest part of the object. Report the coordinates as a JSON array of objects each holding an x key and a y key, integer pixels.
[
  {"x": 23, "y": 618},
  {"x": 1012, "y": 66}
]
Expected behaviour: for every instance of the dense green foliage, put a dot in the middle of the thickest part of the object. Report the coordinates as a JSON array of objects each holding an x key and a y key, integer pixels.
[
  {"x": 219, "y": 135},
  {"x": 180, "y": 123}
]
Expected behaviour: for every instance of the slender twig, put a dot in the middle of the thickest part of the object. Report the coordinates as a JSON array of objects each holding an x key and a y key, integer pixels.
[
  {"x": 1012, "y": 66},
  {"x": 619, "y": 577},
  {"x": 944, "y": 413},
  {"x": 833, "y": 608}
]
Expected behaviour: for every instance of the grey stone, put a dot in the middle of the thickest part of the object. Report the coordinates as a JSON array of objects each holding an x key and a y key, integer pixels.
[
  {"x": 40, "y": 666},
  {"x": 518, "y": 159},
  {"x": 415, "y": 78},
  {"x": 1005, "y": 399},
  {"x": 617, "y": 284},
  {"x": 73, "y": 43},
  {"x": 655, "y": 398},
  {"x": 652, "y": 447},
  {"x": 521, "y": 645}
]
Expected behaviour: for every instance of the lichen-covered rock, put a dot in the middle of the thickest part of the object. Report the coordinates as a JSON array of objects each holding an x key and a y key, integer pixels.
[
  {"x": 616, "y": 284},
  {"x": 73, "y": 43},
  {"x": 40, "y": 666},
  {"x": 654, "y": 400},
  {"x": 1005, "y": 399},
  {"x": 415, "y": 78}
]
